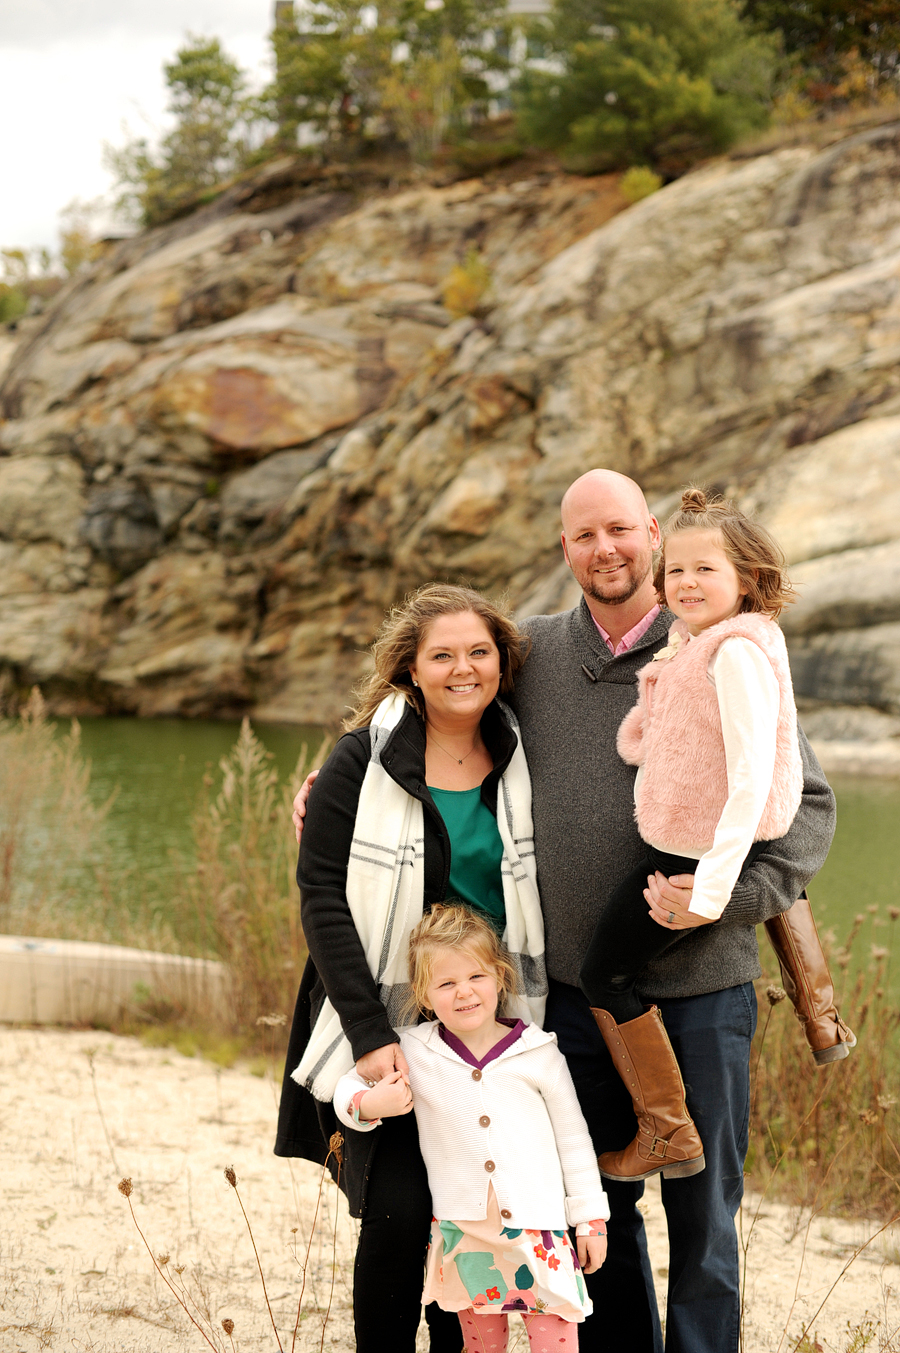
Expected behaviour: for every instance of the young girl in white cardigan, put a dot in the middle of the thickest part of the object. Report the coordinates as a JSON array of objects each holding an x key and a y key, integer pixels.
[
  {"x": 714, "y": 737},
  {"x": 509, "y": 1158}
]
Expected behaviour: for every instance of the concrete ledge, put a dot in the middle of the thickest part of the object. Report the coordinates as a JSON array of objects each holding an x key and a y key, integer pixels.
[{"x": 72, "y": 982}]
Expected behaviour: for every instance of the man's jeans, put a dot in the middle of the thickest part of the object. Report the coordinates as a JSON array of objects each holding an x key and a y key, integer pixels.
[{"x": 711, "y": 1036}]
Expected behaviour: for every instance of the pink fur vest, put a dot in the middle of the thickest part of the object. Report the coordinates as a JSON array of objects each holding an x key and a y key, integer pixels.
[{"x": 675, "y": 733}]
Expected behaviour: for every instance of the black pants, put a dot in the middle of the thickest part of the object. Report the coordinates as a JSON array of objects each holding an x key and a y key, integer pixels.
[
  {"x": 393, "y": 1236},
  {"x": 627, "y": 938}
]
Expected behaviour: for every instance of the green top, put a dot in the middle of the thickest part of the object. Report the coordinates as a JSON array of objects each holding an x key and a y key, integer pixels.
[{"x": 476, "y": 852}]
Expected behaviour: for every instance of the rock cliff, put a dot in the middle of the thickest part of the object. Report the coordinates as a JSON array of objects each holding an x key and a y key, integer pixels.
[{"x": 229, "y": 447}]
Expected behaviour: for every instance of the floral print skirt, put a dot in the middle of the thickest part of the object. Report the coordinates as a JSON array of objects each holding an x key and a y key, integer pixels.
[{"x": 492, "y": 1268}]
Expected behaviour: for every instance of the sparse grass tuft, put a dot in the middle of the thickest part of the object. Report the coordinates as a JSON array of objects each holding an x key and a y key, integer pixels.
[{"x": 828, "y": 1138}]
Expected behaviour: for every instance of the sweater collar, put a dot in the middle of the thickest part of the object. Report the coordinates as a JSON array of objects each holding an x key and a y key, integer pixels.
[
  {"x": 597, "y": 663},
  {"x": 515, "y": 1029},
  {"x": 430, "y": 1035}
]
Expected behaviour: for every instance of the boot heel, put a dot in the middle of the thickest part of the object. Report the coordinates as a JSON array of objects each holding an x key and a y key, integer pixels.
[
  {"x": 823, "y": 1056},
  {"x": 684, "y": 1169}
]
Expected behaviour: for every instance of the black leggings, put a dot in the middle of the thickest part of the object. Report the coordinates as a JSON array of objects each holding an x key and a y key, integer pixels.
[
  {"x": 393, "y": 1236},
  {"x": 627, "y": 937}
]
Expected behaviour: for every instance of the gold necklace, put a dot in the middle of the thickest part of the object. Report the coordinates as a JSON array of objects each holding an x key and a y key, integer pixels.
[{"x": 458, "y": 759}]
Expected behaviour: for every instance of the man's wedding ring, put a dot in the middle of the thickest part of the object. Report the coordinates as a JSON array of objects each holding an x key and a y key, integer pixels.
[{"x": 671, "y": 918}]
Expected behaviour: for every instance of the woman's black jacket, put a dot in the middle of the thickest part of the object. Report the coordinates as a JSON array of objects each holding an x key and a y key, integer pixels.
[{"x": 337, "y": 964}]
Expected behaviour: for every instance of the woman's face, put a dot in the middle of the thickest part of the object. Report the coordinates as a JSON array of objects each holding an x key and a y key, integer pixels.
[{"x": 457, "y": 668}]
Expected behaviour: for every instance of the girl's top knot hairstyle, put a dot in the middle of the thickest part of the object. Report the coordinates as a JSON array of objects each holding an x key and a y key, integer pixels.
[
  {"x": 405, "y": 629},
  {"x": 454, "y": 926},
  {"x": 694, "y": 500},
  {"x": 755, "y": 554}
]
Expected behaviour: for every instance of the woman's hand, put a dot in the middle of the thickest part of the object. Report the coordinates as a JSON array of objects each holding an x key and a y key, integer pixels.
[
  {"x": 591, "y": 1252},
  {"x": 390, "y": 1098},
  {"x": 670, "y": 898},
  {"x": 382, "y": 1062}
]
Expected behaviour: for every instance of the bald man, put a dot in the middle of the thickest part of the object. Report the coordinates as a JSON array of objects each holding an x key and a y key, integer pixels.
[
  {"x": 573, "y": 692},
  {"x": 576, "y": 687}
]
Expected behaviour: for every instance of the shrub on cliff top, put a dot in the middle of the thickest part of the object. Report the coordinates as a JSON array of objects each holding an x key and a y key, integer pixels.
[{"x": 657, "y": 82}]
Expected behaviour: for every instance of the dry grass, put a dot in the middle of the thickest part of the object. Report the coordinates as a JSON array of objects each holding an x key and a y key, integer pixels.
[{"x": 827, "y": 1139}]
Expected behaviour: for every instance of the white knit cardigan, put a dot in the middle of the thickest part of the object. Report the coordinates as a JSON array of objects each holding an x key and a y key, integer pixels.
[{"x": 516, "y": 1123}]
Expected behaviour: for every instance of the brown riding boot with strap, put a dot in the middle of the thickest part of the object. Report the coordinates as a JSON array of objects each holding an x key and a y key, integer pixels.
[
  {"x": 807, "y": 981},
  {"x": 667, "y": 1141}
]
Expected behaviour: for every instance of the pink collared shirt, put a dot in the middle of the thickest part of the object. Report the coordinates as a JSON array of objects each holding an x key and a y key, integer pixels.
[{"x": 630, "y": 639}]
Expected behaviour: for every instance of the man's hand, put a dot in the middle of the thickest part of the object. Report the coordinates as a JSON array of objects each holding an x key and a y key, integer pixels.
[
  {"x": 390, "y": 1098},
  {"x": 670, "y": 898},
  {"x": 302, "y": 795},
  {"x": 591, "y": 1252},
  {"x": 382, "y": 1062}
]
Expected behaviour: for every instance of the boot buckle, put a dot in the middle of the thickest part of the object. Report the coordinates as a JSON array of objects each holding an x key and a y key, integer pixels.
[{"x": 659, "y": 1147}]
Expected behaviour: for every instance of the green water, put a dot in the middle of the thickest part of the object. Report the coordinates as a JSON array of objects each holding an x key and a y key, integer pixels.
[
  {"x": 156, "y": 768},
  {"x": 159, "y": 765}
]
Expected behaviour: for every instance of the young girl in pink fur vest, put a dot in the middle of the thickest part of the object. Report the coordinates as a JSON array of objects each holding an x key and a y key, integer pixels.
[{"x": 714, "y": 737}]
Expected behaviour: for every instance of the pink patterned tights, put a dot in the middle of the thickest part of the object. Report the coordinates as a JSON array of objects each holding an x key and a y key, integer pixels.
[{"x": 546, "y": 1333}]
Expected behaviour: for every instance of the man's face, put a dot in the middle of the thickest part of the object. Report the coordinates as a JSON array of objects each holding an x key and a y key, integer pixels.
[{"x": 608, "y": 539}]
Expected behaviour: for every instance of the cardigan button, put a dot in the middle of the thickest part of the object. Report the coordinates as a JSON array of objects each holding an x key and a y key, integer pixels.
[
  {"x": 505, "y": 1213},
  {"x": 484, "y": 1120},
  {"x": 490, "y": 1166},
  {"x": 476, "y": 1075}
]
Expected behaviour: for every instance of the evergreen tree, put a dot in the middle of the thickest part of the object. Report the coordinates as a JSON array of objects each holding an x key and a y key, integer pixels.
[
  {"x": 823, "y": 36},
  {"x": 654, "y": 82},
  {"x": 414, "y": 69}
]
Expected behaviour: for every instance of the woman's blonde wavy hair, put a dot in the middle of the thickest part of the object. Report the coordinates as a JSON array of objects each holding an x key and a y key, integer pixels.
[
  {"x": 755, "y": 555},
  {"x": 450, "y": 926},
  {"x": 404, "y": 631}
]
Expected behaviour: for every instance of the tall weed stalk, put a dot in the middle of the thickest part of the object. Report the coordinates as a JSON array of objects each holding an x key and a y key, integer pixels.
[
  {"x": 51, "y": 831},
  {"x": 829, "y": 1139},
  {"x": 237, "y": 900}
]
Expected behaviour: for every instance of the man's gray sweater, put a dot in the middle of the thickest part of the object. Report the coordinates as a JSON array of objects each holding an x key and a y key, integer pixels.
[{"x": 571, "y": 697}]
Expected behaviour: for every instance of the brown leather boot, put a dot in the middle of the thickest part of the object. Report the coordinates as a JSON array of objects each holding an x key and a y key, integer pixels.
[
  {"x": 807, "y": 981},
  {"x": 667, "y": 1139}
]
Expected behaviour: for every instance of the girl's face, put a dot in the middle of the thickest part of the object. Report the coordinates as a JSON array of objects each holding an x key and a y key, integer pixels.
[
  {"x": 702, "y": 584},
  {"x": 463, "y": 992}
]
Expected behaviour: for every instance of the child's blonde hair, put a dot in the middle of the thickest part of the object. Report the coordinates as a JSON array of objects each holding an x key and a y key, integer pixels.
[
  {"x": 445, "y": 928},
  {"x": 756, "y": 556}
]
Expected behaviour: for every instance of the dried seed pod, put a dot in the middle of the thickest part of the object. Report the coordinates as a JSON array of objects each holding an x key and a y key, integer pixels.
[
  {"x": 775, "y": 994},
  {"x": 125, "y": 1187},
  {"x": 231, "y": 1176}
]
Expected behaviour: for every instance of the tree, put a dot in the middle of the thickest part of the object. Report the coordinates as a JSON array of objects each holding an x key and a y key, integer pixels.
[
  {"x": 208, "y": 142},
  {"x": 416, "y": 70},
  {"x": 825, "y": 37},
  {"x": 654, "y": 82}
]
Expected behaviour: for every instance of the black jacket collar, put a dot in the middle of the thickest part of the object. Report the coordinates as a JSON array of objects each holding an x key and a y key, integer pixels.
[{"x": 403, "y": 756}]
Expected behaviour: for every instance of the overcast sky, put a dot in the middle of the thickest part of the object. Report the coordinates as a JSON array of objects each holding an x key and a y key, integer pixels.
[{"x": 72, "y": 71}]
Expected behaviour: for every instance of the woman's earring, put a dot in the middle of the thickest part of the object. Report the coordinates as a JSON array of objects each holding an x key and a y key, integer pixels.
[{"x": 414, "y": 682}]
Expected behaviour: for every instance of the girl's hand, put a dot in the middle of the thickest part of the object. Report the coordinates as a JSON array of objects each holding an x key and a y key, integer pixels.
[
  {"x": 591, "y": 1252},
  {"x": 672, "y": 897},
  {"x": 390, "y": 1098},
  {"x": 382, "y": 1062}
]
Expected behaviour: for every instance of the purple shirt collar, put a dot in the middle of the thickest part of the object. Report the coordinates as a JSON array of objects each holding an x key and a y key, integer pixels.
[{"x": 516, "y": 1029}]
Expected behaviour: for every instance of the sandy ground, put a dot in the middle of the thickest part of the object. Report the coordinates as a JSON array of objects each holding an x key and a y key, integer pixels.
[{"x": 80, "y": 1110}]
